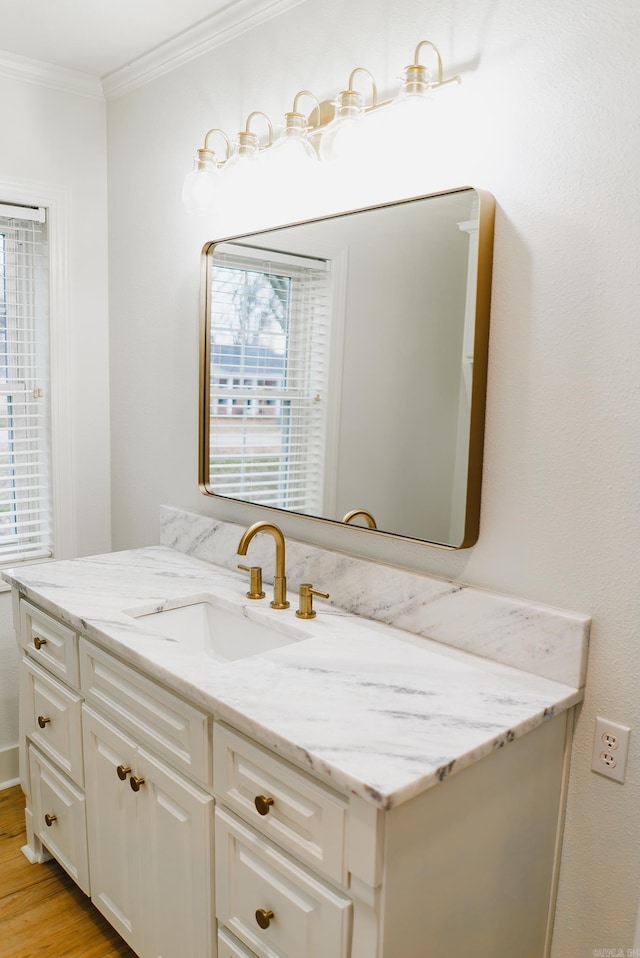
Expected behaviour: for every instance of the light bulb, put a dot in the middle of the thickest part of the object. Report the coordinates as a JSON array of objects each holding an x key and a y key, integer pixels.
[{"x": 199, "y": 188}]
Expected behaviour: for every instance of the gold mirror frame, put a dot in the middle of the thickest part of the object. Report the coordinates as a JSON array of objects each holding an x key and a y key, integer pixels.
[{"x": 477, "y": 399}]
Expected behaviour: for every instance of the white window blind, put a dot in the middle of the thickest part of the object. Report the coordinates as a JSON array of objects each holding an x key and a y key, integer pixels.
[
  {"x": 269, "y": 341},
  {"x": 25, "y": 471}
]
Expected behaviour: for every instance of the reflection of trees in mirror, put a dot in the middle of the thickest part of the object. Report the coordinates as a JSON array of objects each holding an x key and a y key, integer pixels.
[{"x": 260, "y": 304}]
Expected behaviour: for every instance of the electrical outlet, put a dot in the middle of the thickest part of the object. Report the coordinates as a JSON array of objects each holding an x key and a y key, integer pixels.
[{"x": 610, "y": 749}]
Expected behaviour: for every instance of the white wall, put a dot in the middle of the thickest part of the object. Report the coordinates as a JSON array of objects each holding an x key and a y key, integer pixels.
[
  {"x": 546, "y": 119},
  {"x": 55, "y": 141}
]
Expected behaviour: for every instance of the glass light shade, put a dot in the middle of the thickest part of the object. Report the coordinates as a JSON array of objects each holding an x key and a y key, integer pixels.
[
  {"x": 244, "y": 174},
  {"x": 345, "y": 136},
  {"x": 199, "y": 187},
  {"x": 409, "y": 123},
  {"x": 416, "y": 82},
  {"x": 292, "y": 150},
  {"x": 415, "y": 100},
  {"x": 291, "y": 168}
]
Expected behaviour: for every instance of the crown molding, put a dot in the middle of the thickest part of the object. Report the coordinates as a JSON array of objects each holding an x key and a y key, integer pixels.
[
  {"x": 234, "y": 19},
  {"x": 14, "y": 67}
]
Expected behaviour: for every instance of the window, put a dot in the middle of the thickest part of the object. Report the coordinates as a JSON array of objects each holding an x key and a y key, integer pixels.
[
  {"x": 269, "y": 338},
  {"x": 25, "y": 469}
]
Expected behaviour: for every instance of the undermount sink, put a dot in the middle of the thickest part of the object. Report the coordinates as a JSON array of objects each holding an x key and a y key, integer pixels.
[{"x": 225, "y": 634}]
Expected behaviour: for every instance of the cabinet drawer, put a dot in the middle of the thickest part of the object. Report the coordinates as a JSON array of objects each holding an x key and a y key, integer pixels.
[
  {"x": 53, "y": 717},
  {"x": 175, "y": 730},
  {"x": 305, "y": 917},
  {"x": 50, "y": 643},
  {"x": 303, "y": 817},
  {"x": 229, "y": 947},
  {"x": 59, "y": 817}
]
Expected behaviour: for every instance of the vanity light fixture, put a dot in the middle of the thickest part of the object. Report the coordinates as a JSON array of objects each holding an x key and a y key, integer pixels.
[{"x": 335, "y": 131}]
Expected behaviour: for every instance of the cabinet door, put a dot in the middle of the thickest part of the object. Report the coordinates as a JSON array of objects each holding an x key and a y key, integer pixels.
[
  {"x": 111, "y": 826},
  {"x": 59, "y": 817},
  {"x": 175, "y": 819}
]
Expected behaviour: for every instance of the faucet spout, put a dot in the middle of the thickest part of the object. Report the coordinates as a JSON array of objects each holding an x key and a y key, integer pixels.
[
  {"x": 366, "y": 515},
  {"x": 279, "y": 581}
]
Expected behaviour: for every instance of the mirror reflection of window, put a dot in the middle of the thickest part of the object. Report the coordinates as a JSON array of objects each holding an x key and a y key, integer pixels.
[{"x": 269, "y": 340}]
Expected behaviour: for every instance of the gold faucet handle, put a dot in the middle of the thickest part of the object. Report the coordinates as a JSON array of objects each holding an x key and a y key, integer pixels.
[
  {"x": 306, "y": 610},
  {"x": 255, "y": 583}
]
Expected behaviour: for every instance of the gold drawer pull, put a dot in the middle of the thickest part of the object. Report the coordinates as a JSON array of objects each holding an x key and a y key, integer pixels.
[
  {"x": 263, "y": 804},
  {"x": 39, "y": 642},
  {"x": 264, "y": 917},
  {"x": 50, "y": 819},
  {"x": 42, "y": 721},
  {"x": 123, "y": 771},
  {"x": 135, "y": 783}
]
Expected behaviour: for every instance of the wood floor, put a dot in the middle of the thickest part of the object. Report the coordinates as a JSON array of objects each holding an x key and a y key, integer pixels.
[{"x": 43, "y": 914}]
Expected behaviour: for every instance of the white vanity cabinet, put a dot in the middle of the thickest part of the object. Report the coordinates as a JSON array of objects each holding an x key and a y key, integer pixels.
[{"x": 288, "y": 864}]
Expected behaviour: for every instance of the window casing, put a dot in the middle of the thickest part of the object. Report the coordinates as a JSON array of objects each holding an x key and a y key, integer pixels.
[{"x": 25, "y": 454}]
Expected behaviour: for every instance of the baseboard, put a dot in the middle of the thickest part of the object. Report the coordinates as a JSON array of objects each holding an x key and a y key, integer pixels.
[{"x": 9, "y": 767}]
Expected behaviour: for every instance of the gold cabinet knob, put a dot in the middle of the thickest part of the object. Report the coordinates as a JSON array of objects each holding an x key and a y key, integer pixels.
[
  {"x": 50, "y": 819},
  {"x": 123, "y": 771},
  {"x": 42, "y": 721},
  {"x": 135, "y": 783},
  {"x": 263, "y": 804},
  {"x": 39, "y": 642},
  {"x": 264, "y": 917}
]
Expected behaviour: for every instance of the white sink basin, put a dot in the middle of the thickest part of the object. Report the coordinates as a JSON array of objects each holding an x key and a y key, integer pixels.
[{"x": 205, "y": 626}]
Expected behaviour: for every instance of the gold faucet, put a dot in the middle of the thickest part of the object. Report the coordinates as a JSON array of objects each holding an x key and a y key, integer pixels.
[
  {"x": 366, "y": 515},
  {"x": 279, "y": 582}
]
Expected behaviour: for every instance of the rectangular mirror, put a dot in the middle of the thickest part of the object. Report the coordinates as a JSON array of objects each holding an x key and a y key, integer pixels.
[{"x": 344, "y": 363}]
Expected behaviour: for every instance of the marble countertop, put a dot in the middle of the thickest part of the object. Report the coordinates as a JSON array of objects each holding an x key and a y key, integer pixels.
[{"x": 369, "y": 708}]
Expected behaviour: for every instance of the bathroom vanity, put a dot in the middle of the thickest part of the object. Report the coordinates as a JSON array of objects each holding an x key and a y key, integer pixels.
[{"x": 355, "y": 791}]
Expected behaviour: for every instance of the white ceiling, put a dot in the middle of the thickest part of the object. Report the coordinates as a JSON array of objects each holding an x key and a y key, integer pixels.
[{"x": 96, "y": 36}]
